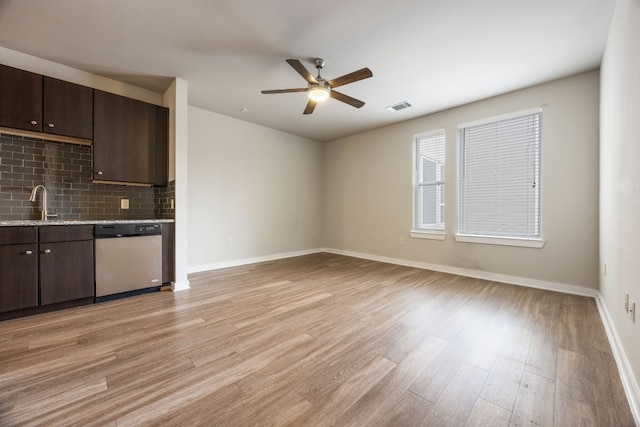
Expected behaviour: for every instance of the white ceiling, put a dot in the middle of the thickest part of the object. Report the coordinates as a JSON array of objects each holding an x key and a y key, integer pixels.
[{"x": 435, "y": 54}]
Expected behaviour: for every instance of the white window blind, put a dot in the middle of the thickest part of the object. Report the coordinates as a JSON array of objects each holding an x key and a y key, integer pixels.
[
  {"x": 428, "y": 201},
  {"x": 499, "y": 176}
]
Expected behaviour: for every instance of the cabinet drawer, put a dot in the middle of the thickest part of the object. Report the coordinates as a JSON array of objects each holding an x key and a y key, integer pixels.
[
  {"x": 18, "y": 235},
  {"x": 65, "y": 233}
]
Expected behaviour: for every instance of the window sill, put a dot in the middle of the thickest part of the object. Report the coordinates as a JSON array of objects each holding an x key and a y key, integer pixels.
[
  {"x": 506, "y": 241},
  {"x": 431, "y": 235}
]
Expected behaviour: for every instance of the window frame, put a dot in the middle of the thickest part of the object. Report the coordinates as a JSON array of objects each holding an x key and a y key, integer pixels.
[
  {"x": 420, "y": 230},
  {"x": 522, "y": 241}
]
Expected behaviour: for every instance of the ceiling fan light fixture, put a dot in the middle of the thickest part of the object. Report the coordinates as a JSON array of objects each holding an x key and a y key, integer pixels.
[{"x": 319, "y": 93}]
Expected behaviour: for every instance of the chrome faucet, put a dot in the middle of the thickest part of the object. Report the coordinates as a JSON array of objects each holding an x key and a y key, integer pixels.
[{"x": 45, "y": 215}]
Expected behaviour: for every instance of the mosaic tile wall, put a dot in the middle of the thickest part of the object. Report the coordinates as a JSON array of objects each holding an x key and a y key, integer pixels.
[{"x": 65, "y": 170}]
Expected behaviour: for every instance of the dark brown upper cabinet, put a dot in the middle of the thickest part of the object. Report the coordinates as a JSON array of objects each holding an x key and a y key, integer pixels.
[
  {"x": 129, "y": 140},
  {"x": 37, "y": 103},
  {"x": 20, "y": 99},
  {"x": 67, "y": 109}
]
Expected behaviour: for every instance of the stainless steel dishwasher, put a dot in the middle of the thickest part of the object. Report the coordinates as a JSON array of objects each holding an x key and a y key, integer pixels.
[{"x": 128, "y": 259}]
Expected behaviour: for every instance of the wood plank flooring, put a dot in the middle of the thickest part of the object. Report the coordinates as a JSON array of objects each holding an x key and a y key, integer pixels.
[{"x": 318, "y": 340}]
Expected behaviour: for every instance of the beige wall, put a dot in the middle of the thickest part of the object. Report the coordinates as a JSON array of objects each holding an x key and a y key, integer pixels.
[
  {"x": 260, "y": 187},
  {"x": 368, "y": 191},
  {"x": 620, "y": 187}
]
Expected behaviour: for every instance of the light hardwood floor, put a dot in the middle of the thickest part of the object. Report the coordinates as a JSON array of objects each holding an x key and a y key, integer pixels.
[{"x": 316, "y": 340}]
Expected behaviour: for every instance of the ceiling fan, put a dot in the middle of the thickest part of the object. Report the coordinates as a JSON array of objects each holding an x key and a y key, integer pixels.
[{"x": 320, "y": 89}]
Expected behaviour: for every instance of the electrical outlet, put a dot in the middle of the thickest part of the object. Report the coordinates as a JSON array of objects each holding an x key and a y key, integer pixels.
[
  {"x": 173, "y": 205},
  {"x": 230, "y": 241},
  {"x": 632, "y": 311},
  {"x": 124, "y": 203},
  {"x": 402, "y": 240},
  {"x": 626, "y": 302}
]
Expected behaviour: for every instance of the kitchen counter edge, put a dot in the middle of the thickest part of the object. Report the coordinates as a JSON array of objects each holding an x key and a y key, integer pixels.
[{"x": 17, "y": 223}]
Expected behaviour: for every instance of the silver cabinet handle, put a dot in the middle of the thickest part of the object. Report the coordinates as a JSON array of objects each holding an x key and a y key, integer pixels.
[
  {"x": 99, "y": 172},
  {"x": 47, "y": 251},
  {"x": 28, "y": 252},
  {"x": 50, "y": 125},
  {"x": 34, "y": 122}
]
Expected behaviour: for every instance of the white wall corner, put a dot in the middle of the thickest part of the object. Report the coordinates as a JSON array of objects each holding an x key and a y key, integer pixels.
[{"x": 630, "y": 385}]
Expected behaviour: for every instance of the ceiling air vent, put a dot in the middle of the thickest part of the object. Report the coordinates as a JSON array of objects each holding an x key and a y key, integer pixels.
[{"x": 398, "y": 107}]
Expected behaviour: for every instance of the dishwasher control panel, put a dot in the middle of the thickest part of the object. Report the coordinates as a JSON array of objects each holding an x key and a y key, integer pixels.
[
  {"x": 149, "y": 229},
  {"x": 107, "y": 231}
]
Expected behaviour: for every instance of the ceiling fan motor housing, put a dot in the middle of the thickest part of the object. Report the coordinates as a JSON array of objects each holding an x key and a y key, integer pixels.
[{"x": 321, "y": 83}]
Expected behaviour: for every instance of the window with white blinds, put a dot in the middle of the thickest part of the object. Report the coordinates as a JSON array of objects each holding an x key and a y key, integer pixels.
[
  {"x": 499, "y": 176},
  {"x": 428, "y": 200}
]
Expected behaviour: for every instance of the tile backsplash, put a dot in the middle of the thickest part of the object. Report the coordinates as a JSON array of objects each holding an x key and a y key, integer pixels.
[
  {"x": 164, "y": 201},
  {"x": 65, "y": 170}
]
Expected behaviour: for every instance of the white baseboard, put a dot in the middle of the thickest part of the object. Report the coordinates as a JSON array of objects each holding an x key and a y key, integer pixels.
[
  {"x": 630, "y": 385},
  {"x": 245, "y": 261},
  {"x": 180, "y": 286},
  {"x": 485, "y": 275}
]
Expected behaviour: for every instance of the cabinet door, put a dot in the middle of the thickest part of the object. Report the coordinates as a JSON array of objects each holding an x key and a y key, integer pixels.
[
  {"x": 123, "y": 139},
  {"x": 68, "y": 109},
  {"x": 66, "y": 271},
  {"x": 161, "y": 142},
  {"x": 20, "y": 99},
  {"x": 18, "y": 277}
]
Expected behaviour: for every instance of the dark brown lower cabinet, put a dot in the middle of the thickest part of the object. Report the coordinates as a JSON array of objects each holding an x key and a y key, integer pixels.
[
  {"x": 66, "y": 271},
  {"x": 18, "y": 268},
  {"x": 45, "y": 268},
  {"x": 66, "y": 263},
  {"x": 18, "y": 277}
]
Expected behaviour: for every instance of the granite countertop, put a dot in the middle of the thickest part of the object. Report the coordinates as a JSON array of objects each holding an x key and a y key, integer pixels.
[{"x": 15, "y": 223}]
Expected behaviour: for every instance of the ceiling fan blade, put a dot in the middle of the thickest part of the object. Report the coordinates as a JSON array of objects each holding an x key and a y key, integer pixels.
[
  {"x": 346, "y": 99},
  {"x": 301, "y": 89},
  {"x": 361, "y": 74},
  {"x": 297, "y": 65},
  {"x": 311, "y": 105}
]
